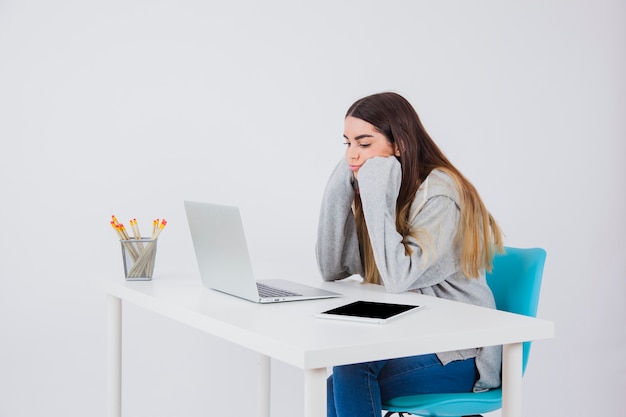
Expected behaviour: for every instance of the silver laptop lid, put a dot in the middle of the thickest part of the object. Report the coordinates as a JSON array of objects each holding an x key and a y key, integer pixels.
[{"x": 221, "y": 250}]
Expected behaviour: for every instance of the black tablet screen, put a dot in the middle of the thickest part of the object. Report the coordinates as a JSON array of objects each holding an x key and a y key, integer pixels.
[{"x": 371, "y": 309}]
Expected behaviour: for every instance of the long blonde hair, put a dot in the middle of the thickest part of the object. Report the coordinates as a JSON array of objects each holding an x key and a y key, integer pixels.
[{"x": 478, "y": 235}]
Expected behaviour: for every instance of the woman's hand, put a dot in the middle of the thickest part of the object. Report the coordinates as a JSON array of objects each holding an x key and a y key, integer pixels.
[
  {"x": 342, "y": 181},
  {"x": 379, "y": 180}
]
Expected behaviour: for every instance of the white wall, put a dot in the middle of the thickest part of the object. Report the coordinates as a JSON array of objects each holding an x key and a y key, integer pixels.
[{"x": 130, "y": 107}]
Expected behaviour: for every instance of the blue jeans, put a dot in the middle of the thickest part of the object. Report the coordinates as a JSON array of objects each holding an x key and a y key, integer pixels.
[{"x": 360, "y": 389}]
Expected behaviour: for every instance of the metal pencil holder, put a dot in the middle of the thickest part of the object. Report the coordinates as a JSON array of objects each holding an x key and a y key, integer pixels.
[{"x": 139, "y": 256}]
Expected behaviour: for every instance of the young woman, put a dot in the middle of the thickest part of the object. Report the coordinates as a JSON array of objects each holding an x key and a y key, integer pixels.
[{"x": 398, "y": 213}]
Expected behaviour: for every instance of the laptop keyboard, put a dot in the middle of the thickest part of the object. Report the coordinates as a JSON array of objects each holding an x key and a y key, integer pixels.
[{"x": 265, "y": 291}]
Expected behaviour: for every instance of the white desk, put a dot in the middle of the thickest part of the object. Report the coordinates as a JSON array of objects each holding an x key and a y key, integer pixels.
[{"x": 289, "y": 332}]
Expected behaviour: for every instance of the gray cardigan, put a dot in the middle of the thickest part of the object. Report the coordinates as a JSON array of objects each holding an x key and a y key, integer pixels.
[{"x": 433, "y": 268}]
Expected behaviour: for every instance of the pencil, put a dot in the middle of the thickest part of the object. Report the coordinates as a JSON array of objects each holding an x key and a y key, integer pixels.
[
  {"x": 136, "y": 233},
  {"x": 117, "y": 230},
  {"x": 158, "y": 230}
]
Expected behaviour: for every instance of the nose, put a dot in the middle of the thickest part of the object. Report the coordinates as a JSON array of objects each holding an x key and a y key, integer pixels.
[{"x": 352, "y": 153}]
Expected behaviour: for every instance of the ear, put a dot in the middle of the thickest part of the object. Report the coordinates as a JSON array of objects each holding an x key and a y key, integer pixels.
[{"x": 396, "y": 149}]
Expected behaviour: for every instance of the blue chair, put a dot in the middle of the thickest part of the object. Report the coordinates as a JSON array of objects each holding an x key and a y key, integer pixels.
[{"x": 515, "y": 282}]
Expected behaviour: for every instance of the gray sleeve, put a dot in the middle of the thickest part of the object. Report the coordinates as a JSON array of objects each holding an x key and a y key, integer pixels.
[
  {"x": 337, "y": 247},
  {"x": 379, "y": 185}
]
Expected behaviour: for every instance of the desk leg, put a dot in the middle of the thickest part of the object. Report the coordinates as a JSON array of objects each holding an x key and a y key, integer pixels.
[
  {"x": 114, "y": 359},
  {"x": 512, "y": 380},
  {"x": 263, "y": 385},
  {"x": 315, "y": 392}
]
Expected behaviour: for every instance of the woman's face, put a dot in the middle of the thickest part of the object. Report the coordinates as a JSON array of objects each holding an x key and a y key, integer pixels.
[{"x": 363, "y": 142}]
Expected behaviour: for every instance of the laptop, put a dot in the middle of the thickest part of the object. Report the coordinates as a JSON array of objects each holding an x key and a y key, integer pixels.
[{"x": 224, "y": 263}]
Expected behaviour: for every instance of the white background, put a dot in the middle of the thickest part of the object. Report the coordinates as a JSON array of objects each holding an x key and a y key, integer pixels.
[{"x": 130, "y": 107}]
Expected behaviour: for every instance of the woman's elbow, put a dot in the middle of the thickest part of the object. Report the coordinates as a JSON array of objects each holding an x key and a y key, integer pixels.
[
  {"x": 396, "y": 286},
  {"x": 330, "y": 274},
  {"x": 394, "y": 289}
]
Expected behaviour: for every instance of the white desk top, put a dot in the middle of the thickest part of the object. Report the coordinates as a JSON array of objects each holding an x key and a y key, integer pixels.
[{"x": 289, "y": 332}]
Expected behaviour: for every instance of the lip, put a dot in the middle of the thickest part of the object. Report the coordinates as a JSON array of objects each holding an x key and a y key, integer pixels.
[{"x": 355, "y": 167}]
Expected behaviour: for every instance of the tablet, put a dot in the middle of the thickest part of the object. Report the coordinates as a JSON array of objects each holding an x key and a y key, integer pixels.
[{"x": 368, "y": 312}]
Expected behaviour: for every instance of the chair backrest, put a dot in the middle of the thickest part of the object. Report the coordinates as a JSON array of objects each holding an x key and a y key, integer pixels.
[{"x": 515, "y": 281}]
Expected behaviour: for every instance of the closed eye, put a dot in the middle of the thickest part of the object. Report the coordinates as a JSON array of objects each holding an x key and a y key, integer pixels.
[{"x": 359, "y": 144}]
